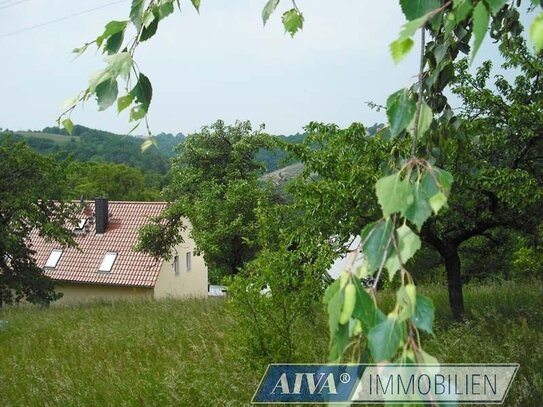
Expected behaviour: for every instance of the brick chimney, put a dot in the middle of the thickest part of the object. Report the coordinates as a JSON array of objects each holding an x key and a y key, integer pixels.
[{"x": 101, "y": 212}]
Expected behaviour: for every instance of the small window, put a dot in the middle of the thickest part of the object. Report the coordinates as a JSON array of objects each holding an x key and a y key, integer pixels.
[
  {"x": 81, "y": 224},
  {"x": 176, "y": 264},
  {"x": 188, "y": 260},
  {"x": 107, "y": 263},
  {"x": 53, "y": 259}
]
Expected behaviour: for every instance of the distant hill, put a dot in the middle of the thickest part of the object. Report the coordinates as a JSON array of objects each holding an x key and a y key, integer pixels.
[{"x": 88, "y": 144}]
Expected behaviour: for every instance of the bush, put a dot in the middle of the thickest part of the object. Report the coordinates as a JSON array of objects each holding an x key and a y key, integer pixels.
[{"x": 271, "y": 298}]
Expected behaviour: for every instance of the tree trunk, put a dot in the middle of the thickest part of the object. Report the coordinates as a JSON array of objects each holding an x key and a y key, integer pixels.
[{"x": 454, "y": 281}]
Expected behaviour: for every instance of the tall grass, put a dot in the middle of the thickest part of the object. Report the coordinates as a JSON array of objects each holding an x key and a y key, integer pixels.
[{"x": 162, "y": 353}]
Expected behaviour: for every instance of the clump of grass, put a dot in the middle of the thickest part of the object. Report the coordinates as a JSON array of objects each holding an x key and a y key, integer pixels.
[{"x": 151, "y": 353}]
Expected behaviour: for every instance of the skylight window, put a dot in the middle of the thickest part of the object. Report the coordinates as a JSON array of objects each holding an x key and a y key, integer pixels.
[
  {"x": 53, "y": 259},
  {"x": 107, "y": 263}
]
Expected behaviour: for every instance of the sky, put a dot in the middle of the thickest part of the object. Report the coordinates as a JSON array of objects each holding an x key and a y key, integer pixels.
[{"x": 219, "y": 64}]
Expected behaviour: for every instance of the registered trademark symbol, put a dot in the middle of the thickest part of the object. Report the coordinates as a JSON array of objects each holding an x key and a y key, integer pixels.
[{"x": 344, "y": 378}]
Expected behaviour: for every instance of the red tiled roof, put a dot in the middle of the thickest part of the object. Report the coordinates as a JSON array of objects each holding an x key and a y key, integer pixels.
[{"x": 80, "y": 265}]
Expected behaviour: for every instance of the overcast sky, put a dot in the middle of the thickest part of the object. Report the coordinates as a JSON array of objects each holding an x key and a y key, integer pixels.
[{"x": 221, "y": 64}]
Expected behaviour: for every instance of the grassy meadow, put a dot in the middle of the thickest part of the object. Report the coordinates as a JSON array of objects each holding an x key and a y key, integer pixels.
[{"x": 184, "y": 353}]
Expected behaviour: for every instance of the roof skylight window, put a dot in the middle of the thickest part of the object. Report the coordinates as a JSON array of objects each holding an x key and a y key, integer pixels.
[
  {"x": 53, "y": 259},
  {"x": 107, "y": 262}
]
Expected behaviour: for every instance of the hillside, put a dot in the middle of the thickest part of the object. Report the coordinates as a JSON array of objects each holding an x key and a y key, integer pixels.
[
  {"x": 86, "y": 144},
  {"x": 99, "y": 146}
]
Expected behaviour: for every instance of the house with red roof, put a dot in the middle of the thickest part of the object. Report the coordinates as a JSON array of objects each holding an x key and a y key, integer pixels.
[{"x": 105, "y": 266}]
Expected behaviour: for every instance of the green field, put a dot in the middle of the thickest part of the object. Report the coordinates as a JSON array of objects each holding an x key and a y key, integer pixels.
[
  {"x": 59, "y": 138},
  {"x": 182, "y": 353}
]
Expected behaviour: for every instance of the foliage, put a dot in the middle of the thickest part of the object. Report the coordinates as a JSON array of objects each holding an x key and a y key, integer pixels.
[
  {"x": 117, "y": 182},
  {"x": 101, "y": 146},
  {"x": 215, "y": 184},
  {"x": 31, "y": 189},
  {"x": 270, "y": 297}
]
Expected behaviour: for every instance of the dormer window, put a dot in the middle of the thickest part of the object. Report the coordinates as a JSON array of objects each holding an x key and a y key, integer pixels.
[
  {"x": 53, "y": 259},
  {"x": 107, "y": 262},
  {"x": 81, "y": 224}
]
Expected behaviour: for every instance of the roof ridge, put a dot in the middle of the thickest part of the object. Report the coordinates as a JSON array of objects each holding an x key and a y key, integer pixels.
[{"x": 125, "y": 202}]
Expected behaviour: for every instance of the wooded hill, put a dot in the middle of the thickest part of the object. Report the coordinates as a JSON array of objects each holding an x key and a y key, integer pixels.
[{"x": 86, "y": 144}]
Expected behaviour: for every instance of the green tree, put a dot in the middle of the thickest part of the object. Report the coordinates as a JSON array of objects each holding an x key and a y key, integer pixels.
[
  {"x": 215, "y": 184},
  {"x": 31, "y": 189},
  {"x": 116, "y": 181},
  {"x": 497, "y": 154}
]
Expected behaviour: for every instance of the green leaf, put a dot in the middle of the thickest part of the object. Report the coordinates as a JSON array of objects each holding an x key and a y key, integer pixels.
[
  {"x": 429, "y": 185},
  {"x": 97, "y": 78},
  {"x": 427, "y": 358},
  {"x": 365, "y": 310},
  {"x": 292, "y": 21},
  {"x": 165, "y": 9},
  {"x": 462, "y": 9},
  {"x": 136, "y": 13},
  {"x": 400, "y": 48},
  {"x": 196, "y": 4},
  {"x": 150, "y": 29},
  {"x": 444, "y": 178},
  {"x": 406, "y": 298},
  {"x": 536, "y": 32},
  {"x": 142, "y": 94},
  {"x": 334, "y": 310},
  {"x": 268, "y": 10},
  {"x": 411, "y": 27},
  {"x": 113, "y": 43},
  {"x": 450, "y": 24},
  {"x": 495, "y": 5},
  {"x": 400, "y": 111},
  {"x": 338, "y": 343},
  {"x": 106, "y": 93},
  {"x": 376, "y": 242},
  {"x": 331, "y": 291},
  {"x": 80, "y": 50},
  {"x": 424, "y": 314},
  {"x": 148, "y": 143},
  {"x": 112, "y": 28},
  {"x": 426, "y": 116},
  {"x": 137, "y": 113},
  {"x": 119, "y": 64},
  {"x": 384, "y": 339},
  {"x": 123, "y": 102},
  {"x": 481, "y": 18},
  {"x": 68, "y": 125},
  {"x": 408, "y": 244},
  {"x": 393, "y": 194},
  {"x": 413, "y": 9},
  {"x": 419, "y": 210},
  {"x": 437, "y": 202}
]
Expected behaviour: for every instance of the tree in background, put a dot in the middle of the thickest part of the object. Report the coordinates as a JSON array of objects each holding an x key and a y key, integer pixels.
[
  {"x": 496, "y": 154},
  {"x": 118, "y": 182},
  {"x": 214, "y": 182},
  {"x": 31, "y": 192}
]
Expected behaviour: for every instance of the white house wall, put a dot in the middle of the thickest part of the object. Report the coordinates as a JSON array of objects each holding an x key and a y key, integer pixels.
[{"x": 185, "y": 283}]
